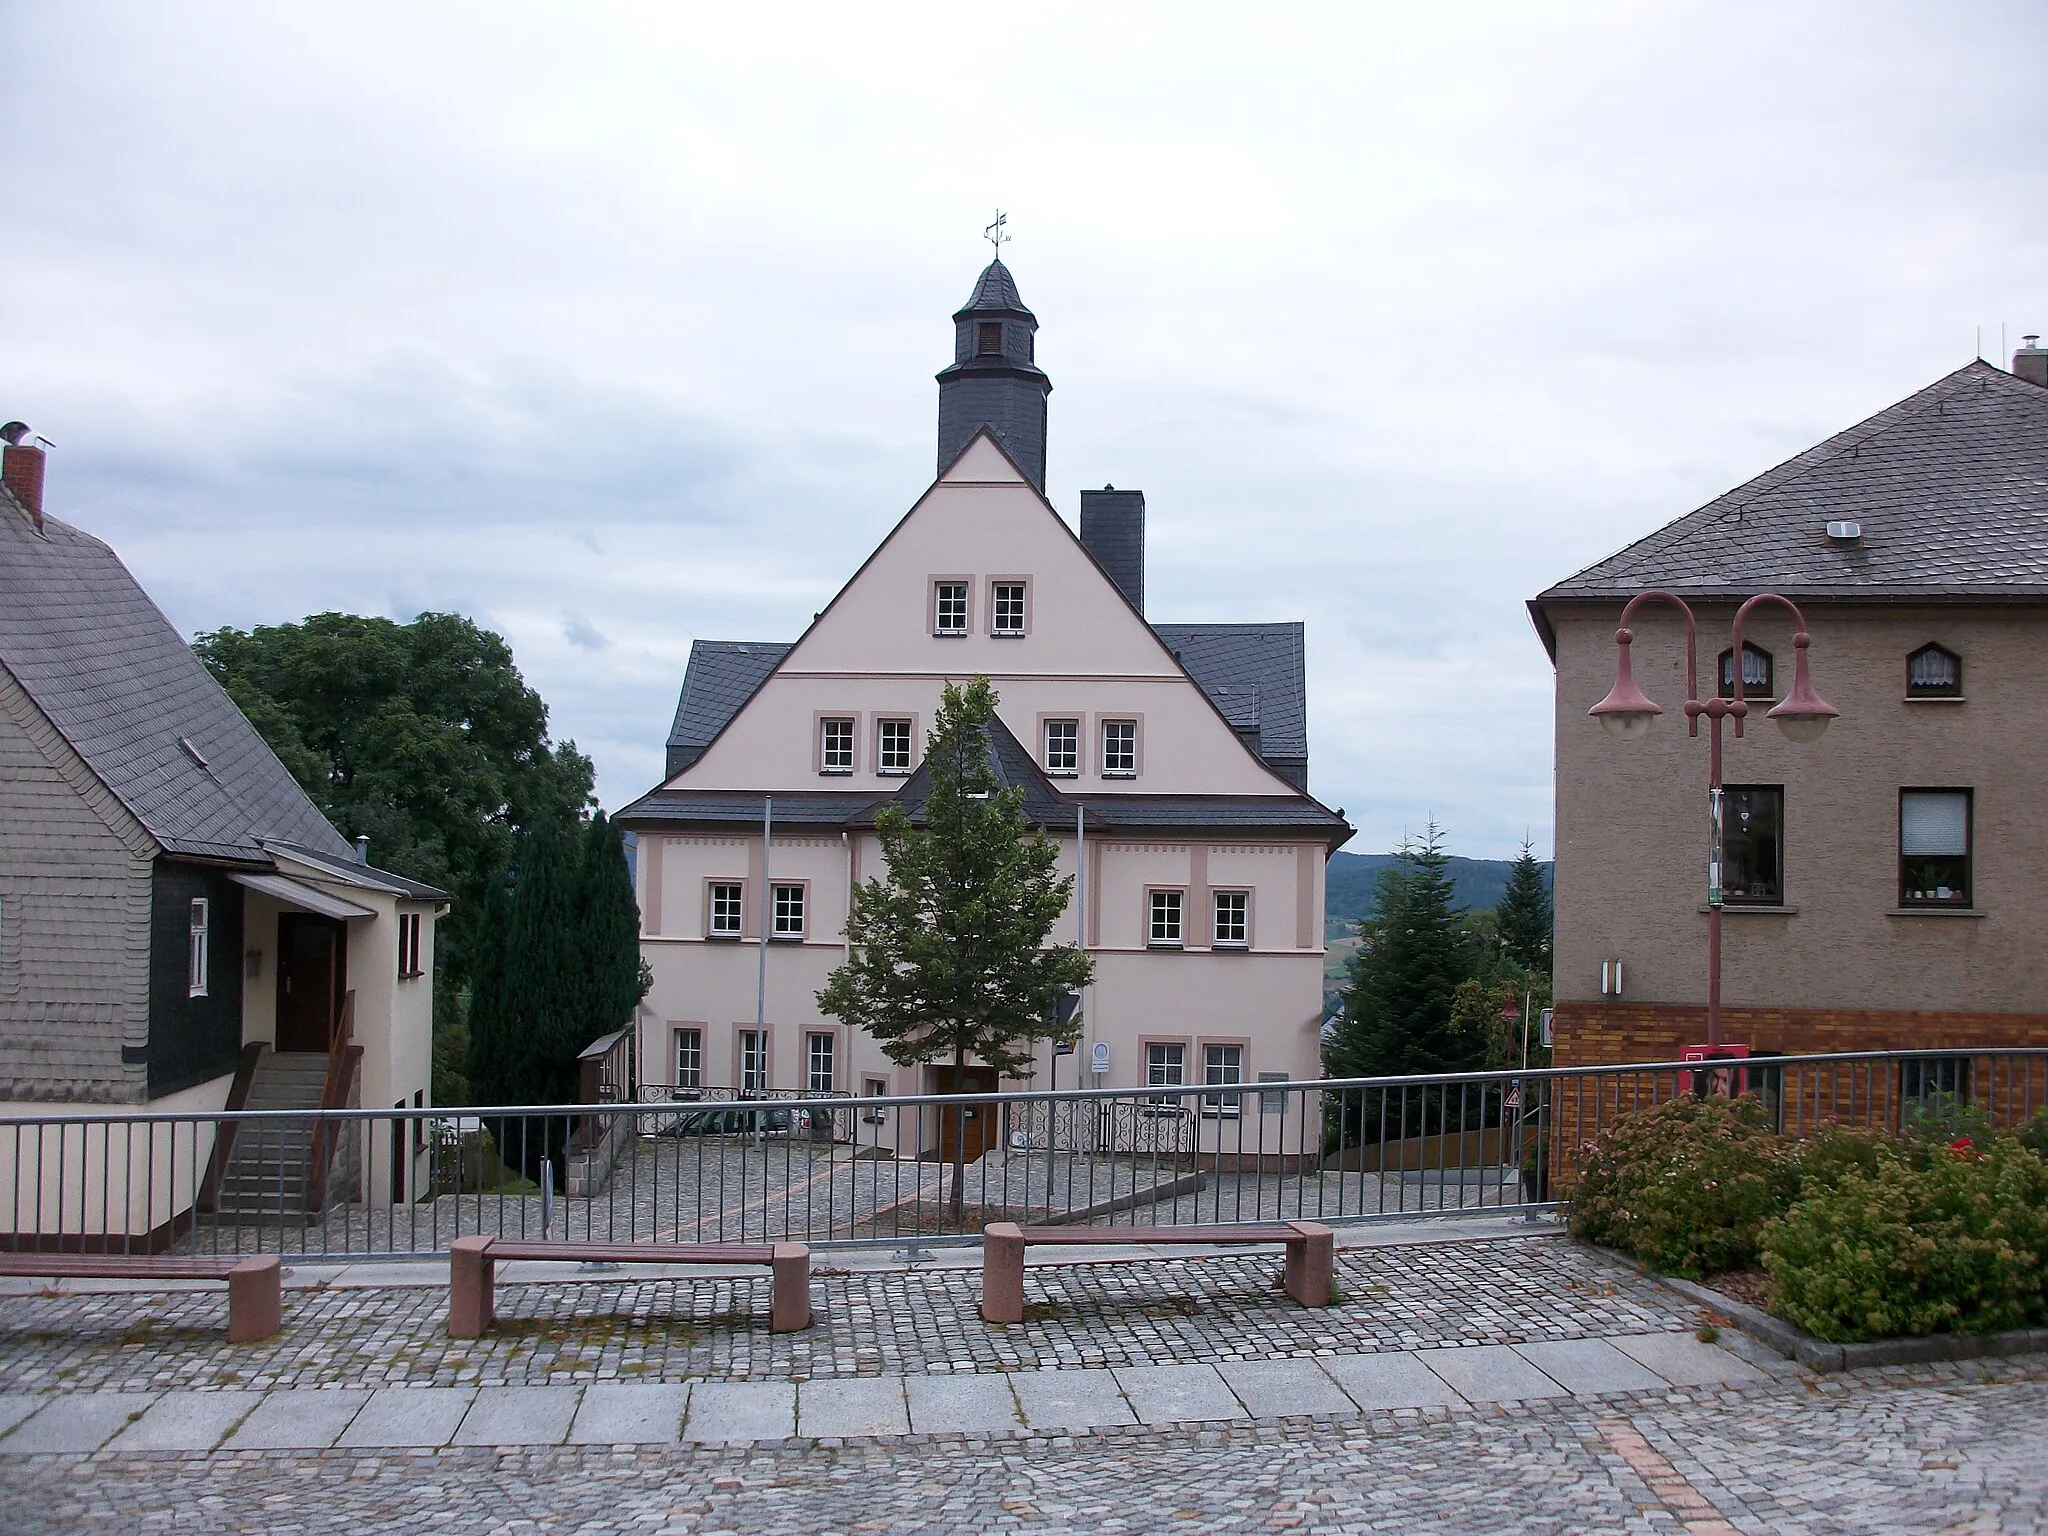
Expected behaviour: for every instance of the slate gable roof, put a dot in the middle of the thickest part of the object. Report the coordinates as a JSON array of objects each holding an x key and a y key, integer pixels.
[
  {"x": 721, "y": 677},
  {"x": 1950, "y": 486},
  {"x": 119, "y": 683}
]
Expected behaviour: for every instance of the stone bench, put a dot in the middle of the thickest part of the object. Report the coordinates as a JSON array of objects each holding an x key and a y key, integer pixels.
[
  {"x": 255, "y": 1280},
  {"x": 472, "y": 1264},
  {"x": 1311, "y": 1255}
]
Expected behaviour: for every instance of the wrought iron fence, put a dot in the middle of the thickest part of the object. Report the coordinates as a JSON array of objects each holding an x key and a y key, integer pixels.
[{"x": 911, "y": 1169}]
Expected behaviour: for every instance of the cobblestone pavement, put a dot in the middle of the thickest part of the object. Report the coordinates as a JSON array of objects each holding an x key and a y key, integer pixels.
[
  {"x": 868, "y": 1323},
  {"x": 1928, "y": 1449}
]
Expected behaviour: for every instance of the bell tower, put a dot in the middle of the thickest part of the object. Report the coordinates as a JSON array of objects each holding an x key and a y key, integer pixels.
[{"x": 993, "y": 382}]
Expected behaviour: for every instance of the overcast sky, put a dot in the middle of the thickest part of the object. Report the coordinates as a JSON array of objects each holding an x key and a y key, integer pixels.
[{"x": 615, "y": 326}]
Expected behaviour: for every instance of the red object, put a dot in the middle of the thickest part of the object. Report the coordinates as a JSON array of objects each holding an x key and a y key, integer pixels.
[{"x": 22, "y": 471}]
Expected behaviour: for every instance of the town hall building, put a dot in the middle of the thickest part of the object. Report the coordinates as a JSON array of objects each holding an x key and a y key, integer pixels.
[{"x": 1169, "y": 761}]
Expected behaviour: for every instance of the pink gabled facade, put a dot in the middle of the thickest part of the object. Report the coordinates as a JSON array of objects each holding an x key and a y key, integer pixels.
[{"x": 1204, "y": 858}]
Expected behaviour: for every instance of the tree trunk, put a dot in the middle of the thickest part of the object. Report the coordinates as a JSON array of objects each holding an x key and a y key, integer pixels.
[{"x": 957, "y": 1205}]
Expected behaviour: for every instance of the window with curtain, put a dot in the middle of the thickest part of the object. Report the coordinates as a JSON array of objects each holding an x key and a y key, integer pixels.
[
  {"x": 1934, "y": 673},
  {"x": 1756, "y": 673},
  {"x": 1753, "y": 844},
  {"x": 1934, "y": 847}
]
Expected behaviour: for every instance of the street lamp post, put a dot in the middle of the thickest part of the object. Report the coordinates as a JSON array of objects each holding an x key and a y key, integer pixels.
[{"x": 1626, "y": 713}]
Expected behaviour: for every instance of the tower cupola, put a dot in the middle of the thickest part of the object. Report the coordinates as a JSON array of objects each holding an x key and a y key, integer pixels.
[{"x": 994, "y": 381}]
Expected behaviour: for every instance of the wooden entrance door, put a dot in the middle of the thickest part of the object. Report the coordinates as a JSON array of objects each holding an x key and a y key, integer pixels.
[
  {"x": 973, "y": 1125},
  {"x": 312, "y": 975}
]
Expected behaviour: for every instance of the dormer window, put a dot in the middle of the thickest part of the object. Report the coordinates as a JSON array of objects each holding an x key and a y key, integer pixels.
[
  {"x": 1756, "y": 673},
  {"x": 1933, "y": 672},
  {"x": 989, "y": 341}
]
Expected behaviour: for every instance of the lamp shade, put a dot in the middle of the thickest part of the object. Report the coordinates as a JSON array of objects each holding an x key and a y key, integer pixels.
[
  {"x": 1627, "y": 711},
  {"x": 1802, "y": 714}
]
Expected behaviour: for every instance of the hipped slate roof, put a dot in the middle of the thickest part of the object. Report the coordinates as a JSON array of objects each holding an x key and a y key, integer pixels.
[
  {"x": 114, "y": 677},
  {"x": 1950, "y": 486},
  {"x": 995, "y": 290},
  {"x": 722, "y": 675}
]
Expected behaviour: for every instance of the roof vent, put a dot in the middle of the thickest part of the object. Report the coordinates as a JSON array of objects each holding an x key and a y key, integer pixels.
[
  {"x": 194, "y": 753},
  {"x": 1847, "y": 532},
  {"x": 2031, "y": 361}
]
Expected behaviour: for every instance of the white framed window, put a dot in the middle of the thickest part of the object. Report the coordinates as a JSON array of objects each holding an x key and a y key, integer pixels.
[
  {"x": 788, "y": 903},
  {"x": 1166, "y": 1066},
  {"x": 1233, "y": 919},
  {"x": 195, "y": 949},
  {"x": 892, "y": 746},
  {"x": 1222, "y": 1065},
  {"x": 753, "y": 1062},
  {"x": 835, "y": 746},
  {"x": 728, "y": 909},
  {"x": 1063, "y": 747},
  {"x": 408, "y": 945},
  {"x": 821, "y": 1061},
  {"x": 949, "y": 607},
  {"x": 1119, "y": 749},
  {"x": 1007, "y": 606},
  {"x": 689, "y": 1058},
  {"x": 1166, "y": 915}
]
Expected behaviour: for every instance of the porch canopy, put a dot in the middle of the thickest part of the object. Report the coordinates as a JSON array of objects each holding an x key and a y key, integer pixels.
[{"x": 298, "y": 895}]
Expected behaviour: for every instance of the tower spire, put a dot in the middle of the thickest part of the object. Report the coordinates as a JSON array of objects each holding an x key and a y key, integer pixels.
[{"x": 994, "y": 382}]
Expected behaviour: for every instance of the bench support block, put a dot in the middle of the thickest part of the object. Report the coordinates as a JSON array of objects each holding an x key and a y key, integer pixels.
[
  {"x": 1002, "y": 1273},
  {"x": 255, "y": 1299},
  {"x": 1310, "y": 1263},
  {"x": 790, "y": 1289},
  {"x": 471, "y": 1282}
]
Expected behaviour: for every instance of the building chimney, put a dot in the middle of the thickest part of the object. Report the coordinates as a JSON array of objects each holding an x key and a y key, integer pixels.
[
  {"x": 21, "y": 469},
  {"x": 1113, "y": 531},
  {"x": 363, "y": 848},
  {"x": 2030, "y": 362}
]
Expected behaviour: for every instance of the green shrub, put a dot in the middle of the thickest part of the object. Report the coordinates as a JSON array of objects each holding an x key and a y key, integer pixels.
[
  {"x": 1687, "y": 1186},
  {"x": 1956, "y": 1241},
  {"x": 1836, "y": 1149},
  {"x": 2034, "y": 1135}
]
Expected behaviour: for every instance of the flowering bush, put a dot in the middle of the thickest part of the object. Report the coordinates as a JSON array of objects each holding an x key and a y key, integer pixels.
[{"x": 1687, "y": 1186}]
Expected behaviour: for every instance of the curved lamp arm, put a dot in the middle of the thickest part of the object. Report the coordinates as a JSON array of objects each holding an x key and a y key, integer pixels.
[
  {"x": 1627, "y": 709},
  {"x": 1803, "y": 715}
]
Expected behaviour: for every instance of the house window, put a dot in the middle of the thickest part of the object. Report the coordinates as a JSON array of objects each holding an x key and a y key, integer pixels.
[
  {"x": 892, "y": 747},
  {"x": 1007, "y": 598},
  {"x": 1934, "y": 848},
  {"x": 1119, "y": 749},
  {"x": 789, "y": 912},
  {"x": 1222, "y": 1065},
  {"x": 988, "y": 341},
  {"x": 195, "y": 950},
  {"x": 820, "y": 1058},
  {"x": 1933, "y": 1087},
  {"x": 1753, "y": 844},
  {"x": 1233, "y": 914},
  {"x": 1273, "y": 1103},
  {"x": 835, "y": 746},
  {"x": 874, "y": 1088},
  {"x": 1063, "y": 746},
  {"x": 1166, "y": 1065},
  {"x": 753, "y": 1062},
  {"x": 1166, "y": 915},
  {"x": 1756, "y": 673},
  {"x": 728, "y": 906},
  {"x": 949, "y": 608},
  {"x": 1934, "y": 673},
  {"x": 408, "y": 945},
  {"x": 689, "y": 1058}
]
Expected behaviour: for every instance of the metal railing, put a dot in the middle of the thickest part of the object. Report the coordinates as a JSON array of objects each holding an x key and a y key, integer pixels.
[{"x": 841, "y": 1170}]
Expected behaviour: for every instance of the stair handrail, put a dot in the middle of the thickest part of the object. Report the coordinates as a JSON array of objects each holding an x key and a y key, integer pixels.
[
  {"x": 224, "y": 1134},
  {"x": 343, "y": 1058}
]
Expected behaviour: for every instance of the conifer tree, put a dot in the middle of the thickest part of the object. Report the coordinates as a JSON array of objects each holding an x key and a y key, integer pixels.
[
  {"x": 1524, "y": 916},
  {"x": 947, "y": 953},
  {"x": 612, "y": 985}
]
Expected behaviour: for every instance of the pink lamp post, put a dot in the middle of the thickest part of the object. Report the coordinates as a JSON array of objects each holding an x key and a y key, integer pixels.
[{"x": 1627, "y": 711}]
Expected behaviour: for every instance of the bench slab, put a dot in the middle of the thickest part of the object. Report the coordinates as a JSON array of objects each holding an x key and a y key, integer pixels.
[
  {"x": 634, "y": 1253},
  {"x": 472, "y": 1277},
  {"x": 255, "y": 1280},
  {"x": 1311, "y": 1256}
]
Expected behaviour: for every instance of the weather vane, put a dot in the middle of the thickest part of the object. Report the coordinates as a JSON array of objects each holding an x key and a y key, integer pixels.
[{"x": 994, "y": 233}]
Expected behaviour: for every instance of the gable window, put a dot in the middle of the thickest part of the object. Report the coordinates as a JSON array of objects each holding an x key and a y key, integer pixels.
[
  {"x": 835, "y": 746},
  {"x": 892, "y": 746},
  {"x": 820, "y": 1058},
  {"x": 689, "y": 1058},
  {"x": 1119, "y": 749},
  {"x": 753, "y": 1063},
  {"x": 1063, "y": 747},
  {"x": 728, "y": 905},
  {"x": 195, "y": 950},
  {"x": 1753, "y": 844},
  {"x": 1756, "y": 673},
  {"x": 1166, "y": 1066},
  {"x": 1007, "y": 604},
  {"x": 1233, "y": 919},
  {"x": 1934, "y": 673},
  {"x": 1165, "y": 926},
  {"x": 1222, "y": 1065},
  {"x": 789, "y": 911},
  {"x": 408, "y": 946},
  {"x": 949, "y": 608},
  {"x": 988, "y": 341},
  {"x": 1934, "y": 847}
]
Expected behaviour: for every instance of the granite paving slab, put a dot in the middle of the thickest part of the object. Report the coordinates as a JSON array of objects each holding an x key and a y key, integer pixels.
[
  {"x": 302, "y": 1420},
  {"x": 408, "y": 1416},
  {"x": 16, "y": 1406},
  {"x": 630, "y": 1413},
  {"x": 1177, "y": 1394},
  {"x": 1276, "y": 1388},
  {"x": 1588, "y": 1367},
  {"x": 1060, "y": 1400},
  {"x": 186, "y": 1421},
  {"x": 1491, "y": 1373},
  {"x": 968, "y": 1404},
  {"x": 76, "y": 1422},
  {"x": 1383, "y": 1381},
  {"x": 1685, "y": 1361},
  {"x": 723, "y": 1412},
  {"x": 865, "y": 1405},
  {"x": 519, "y": 1416}
]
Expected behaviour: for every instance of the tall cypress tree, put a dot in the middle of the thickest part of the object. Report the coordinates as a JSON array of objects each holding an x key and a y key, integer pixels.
[
  {"x": 611, "y": 983},
  {"x": 1525, "y": 916}
]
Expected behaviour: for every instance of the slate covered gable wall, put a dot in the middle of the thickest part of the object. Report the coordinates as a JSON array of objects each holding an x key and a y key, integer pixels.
[
  {"x": 74, "y": 921},
  {"x": 193, "y": 1039}
]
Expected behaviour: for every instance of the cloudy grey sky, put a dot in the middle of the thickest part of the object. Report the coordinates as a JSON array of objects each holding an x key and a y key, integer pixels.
[{"x": 614, "y": 326}]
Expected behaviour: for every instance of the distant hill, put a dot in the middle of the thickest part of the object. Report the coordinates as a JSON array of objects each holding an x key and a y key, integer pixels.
[{"x": 1348, "y": 890}]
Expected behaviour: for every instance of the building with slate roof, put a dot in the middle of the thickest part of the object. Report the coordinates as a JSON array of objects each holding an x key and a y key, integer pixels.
[
  {"x": 1886, "y": 886},
  {"x": 180, "y": 928},
  {"x": 1180, "y": 749}
]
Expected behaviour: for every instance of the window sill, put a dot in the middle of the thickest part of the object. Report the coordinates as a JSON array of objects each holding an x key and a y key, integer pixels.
[
  {"x": 892, "y": 773},
  {"x": 949, "y": 634},
  {"x": 1237, "y": 945},
  {"x": 785, "y": 938},
  {"x": 1119, "y": 773},
  {"x": 1173, "y": 944},
  {"x": 1006, "y": 634},
  {"x": 1767, "y": 909},
  {"x": 835, "y": 773},
  {"x": 1937, "y": 912},
  {"x": 1062, "y": 773},
  {"x": 1935, "y": 698},
  {"x": 723, "y": 938}
]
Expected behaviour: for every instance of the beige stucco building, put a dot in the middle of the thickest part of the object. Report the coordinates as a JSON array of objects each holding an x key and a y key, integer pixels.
[
  {"x": 1886, "y": 886},
  {"x": 1184, "y": 747}
]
